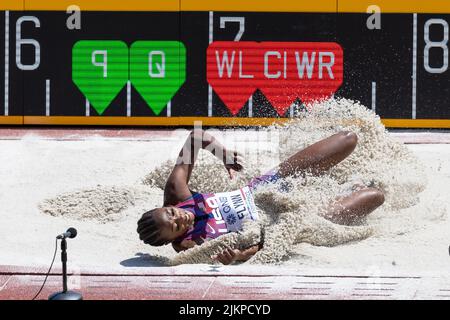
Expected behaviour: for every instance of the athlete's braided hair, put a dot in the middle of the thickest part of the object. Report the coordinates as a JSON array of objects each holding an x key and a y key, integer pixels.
[{"x": 149, "y": 230}]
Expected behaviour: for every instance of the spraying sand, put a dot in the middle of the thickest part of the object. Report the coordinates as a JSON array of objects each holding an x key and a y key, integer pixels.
[{"x": 293, "y": 219}]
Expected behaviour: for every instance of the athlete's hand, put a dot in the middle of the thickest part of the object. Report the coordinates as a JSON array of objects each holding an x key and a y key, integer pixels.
[
  {"x": 233, "y": 161},
  {"x": 228, "y": 256}
]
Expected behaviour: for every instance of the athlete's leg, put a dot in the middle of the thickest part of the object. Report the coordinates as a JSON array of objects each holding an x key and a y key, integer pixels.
[
  {"x": 350, "y": 209},
  {"x": 320, "y": 156}
]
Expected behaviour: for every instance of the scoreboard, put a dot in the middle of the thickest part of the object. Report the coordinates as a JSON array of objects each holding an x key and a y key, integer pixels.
[{"x": 229, "y": 62}]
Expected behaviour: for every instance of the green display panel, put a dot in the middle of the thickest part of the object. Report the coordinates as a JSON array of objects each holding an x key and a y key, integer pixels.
[
  {"x": 100, "y": 70},
  {"x": 157, "y": 71}
]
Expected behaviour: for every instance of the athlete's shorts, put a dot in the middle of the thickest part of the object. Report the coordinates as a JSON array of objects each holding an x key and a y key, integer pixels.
[{"x": 272, "y": 176}]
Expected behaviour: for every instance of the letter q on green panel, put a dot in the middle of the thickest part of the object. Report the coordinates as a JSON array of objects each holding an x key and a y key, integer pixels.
[
  {"x": 157, "y": 71},
  {"x": 100, "y": 70}
]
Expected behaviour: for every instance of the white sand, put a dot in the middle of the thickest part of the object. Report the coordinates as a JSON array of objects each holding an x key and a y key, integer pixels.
[{"x": 414, "y": 240}]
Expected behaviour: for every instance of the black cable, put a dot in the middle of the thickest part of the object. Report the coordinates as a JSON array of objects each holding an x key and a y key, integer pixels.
[{"x": 50, "y": 269}]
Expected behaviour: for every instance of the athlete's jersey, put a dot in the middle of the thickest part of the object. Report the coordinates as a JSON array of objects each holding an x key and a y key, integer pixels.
[{"x": 218, "y": 213}]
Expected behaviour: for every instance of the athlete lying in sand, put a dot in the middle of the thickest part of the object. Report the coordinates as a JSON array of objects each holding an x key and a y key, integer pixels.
[{"x": 188, "y": 218}]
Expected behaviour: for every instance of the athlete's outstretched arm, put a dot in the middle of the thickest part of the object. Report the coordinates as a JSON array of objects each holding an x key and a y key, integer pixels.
[{"x": 176, "y": 189}]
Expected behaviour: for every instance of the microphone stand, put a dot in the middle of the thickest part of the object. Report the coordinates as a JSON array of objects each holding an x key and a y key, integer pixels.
[{"x": 65, "y": 295}]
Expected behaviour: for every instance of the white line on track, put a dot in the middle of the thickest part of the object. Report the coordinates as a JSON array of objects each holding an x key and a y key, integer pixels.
[
  {"x": 128, "y": 98},
  {"x": 88, "y": 108},
  {"x": 169, "y": 108},
  {"x": 6, "y": 63},
  {"x": 414, "y": 67},
  {"x": 211, "y": 38},
  {"x": 374, "y": 96},
  {"x": 47, "y": 97}
]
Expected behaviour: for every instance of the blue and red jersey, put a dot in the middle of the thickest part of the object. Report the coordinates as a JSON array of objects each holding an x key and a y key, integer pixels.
[{"x": 218, "y": 213}]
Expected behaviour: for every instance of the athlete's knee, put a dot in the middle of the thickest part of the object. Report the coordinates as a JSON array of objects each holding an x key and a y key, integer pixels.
[
  {"x": 349, "y": 139},
  {"x": 375, "y": 195},
  {"x": 380, "y": 197}
]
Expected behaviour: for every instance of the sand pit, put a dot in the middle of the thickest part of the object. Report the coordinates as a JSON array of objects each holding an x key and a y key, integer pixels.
[{"x": 410, "y": 230}]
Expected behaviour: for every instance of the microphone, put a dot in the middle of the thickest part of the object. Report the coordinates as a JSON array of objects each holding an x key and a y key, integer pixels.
[
  {"x": 70, "y": 233},
  {"x": 65, "y": 294}
]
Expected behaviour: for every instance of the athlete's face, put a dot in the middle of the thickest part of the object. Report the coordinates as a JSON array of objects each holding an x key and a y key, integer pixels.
[{"x": 173, "y": 222}]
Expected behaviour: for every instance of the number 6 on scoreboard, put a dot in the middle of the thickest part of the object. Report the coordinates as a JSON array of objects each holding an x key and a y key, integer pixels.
[{"x": 20, "y": 42}]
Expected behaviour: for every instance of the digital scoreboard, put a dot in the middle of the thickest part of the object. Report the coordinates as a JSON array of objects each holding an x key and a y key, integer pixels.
[{"x": 171, "y": 62}]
